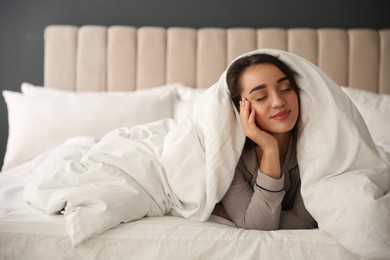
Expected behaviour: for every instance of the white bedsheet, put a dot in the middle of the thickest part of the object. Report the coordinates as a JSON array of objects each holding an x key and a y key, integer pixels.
[{"x": 27, "y": 233}]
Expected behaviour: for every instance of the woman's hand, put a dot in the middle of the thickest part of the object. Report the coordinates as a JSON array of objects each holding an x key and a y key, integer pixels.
[{"x": 262, "y": 138}]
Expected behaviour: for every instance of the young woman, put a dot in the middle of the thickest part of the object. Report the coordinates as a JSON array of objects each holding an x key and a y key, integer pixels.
[{"x": 265, "y": 192}]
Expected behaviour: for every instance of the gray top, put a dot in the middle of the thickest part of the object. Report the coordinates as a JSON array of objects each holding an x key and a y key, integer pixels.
[{"x": 257, "y": 201}]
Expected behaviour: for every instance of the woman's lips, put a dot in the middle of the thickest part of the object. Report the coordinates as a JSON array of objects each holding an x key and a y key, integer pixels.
[{"x": 281, "y": 115}]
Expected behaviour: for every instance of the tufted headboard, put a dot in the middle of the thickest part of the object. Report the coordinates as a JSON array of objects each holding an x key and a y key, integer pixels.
[{"x": 118, "y": 58}]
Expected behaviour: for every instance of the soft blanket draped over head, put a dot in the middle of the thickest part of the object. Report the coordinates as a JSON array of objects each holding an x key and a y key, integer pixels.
[
  {"x": 345, "y": 183},
  {"x": 186, "y": 167}
]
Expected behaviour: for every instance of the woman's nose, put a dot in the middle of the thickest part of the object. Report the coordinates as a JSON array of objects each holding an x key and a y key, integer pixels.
[{"x": 277, "y": 101}]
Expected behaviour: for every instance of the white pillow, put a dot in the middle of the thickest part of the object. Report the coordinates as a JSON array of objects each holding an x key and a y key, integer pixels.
[
  {"x": 183, "y": 99},
  {"x": 375, "y": 110},
  {"x": 42, "y": 118}
]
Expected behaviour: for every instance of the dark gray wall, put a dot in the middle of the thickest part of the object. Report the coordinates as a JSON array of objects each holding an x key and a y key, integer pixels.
[{"x": 22, "y": 23}]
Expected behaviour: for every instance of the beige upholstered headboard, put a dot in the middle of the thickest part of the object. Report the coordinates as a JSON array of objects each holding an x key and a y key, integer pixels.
[{"x": 98, "y": 58}]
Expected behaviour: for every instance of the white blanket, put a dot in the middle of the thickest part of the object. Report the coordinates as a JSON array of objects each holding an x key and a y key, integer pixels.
[
  {"x": 149, "y": 170},
  {"x": 186, "y": 168}
]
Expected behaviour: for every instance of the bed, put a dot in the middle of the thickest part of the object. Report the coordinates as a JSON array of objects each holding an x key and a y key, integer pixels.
[{"x": 93, "y": 72}]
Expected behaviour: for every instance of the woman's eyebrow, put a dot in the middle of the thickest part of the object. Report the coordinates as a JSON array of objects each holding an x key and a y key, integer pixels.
[
  {"x": 257, "y": 88},
  {"x": 263, "y": 85},
  {"x": 281, "y": 79}
]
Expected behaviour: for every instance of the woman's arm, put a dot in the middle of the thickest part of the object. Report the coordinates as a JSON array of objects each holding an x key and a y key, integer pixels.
[
  {"x": 257, "y": 207},
  {"x": 267, "y": 148}
]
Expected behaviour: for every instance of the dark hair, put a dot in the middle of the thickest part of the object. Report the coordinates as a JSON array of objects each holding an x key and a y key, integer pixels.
[{"x": 233, "y": 79}]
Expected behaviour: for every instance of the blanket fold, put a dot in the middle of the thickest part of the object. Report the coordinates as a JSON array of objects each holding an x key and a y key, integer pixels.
[{"x": 186, "y": 167}]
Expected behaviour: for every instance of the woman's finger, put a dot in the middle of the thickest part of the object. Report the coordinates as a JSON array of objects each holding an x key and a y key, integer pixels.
[
  {"x": 243, "y": 110},
  {"x": 247, "y": 108},
  {"x": 248, "y": 118},
  {"x": 251, "y": 119}
]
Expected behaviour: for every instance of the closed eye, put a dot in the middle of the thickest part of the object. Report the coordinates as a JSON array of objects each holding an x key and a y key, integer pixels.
[
  {"x": 261, "y": 98},
  {"x": 285, "y": 87}
]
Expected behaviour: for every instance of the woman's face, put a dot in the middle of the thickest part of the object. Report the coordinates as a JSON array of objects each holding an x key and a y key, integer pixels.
[{"x": 271, "y": 95}]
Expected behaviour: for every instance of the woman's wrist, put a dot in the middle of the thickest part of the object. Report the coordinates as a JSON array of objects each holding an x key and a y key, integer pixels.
[{"x": 270, "y": 163}]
